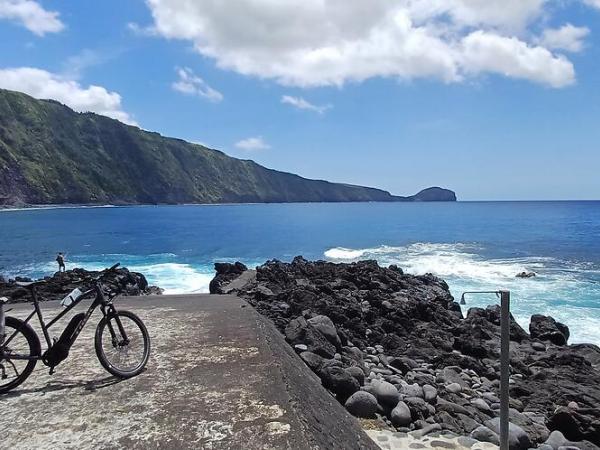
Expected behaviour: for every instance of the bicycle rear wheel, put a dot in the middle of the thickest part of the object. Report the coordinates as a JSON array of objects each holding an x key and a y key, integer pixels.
[
  {"x": 122, "y": 344},
  {"x": 21, "y": 342}
]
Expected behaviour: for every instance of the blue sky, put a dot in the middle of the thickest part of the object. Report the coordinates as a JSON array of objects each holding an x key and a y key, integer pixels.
[{"x": 495, "y": 99}]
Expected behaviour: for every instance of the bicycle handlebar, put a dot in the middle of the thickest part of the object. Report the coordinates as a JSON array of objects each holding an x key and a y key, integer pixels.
[{"x": 106, "y": 272}]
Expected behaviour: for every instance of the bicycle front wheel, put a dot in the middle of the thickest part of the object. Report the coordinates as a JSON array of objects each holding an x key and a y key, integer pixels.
[{"x": 122, "y": 344}]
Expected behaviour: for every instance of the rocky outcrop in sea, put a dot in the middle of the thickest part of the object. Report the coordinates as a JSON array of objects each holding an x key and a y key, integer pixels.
[
  {"x": 57, "y": 286},
  {"x": 398, "y": 350}
]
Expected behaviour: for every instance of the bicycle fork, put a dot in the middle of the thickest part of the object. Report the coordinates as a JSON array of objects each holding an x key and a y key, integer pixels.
[{"x": 112, "y": 313}]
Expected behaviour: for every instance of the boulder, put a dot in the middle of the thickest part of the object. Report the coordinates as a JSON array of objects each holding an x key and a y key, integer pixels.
[
  {"x": 362, "y": 404},
  {"x": 312, "y": 360},
  {"x": 412, "y": 390},
  {"x": 357, "y": 373},
  {"x": 401, "y": 415},
  {"x": 339, "y": 381},
  {"x": 418, "y": 407},
  {"x": 300, "y": 331},
  {"x": 481, "y": 405},
  {"x": 386, "y": 393},
  {"x": 454, "y": 388},
  {"x": 327, "y": 328},
  {"x": 577, "y": 425},
  {"x": 545, "y": 328},
  {"x": 517, "y": 437},
  {"x": 484, "y": 434},
  {"x": 430, "y": 393},
  {"x": 556, "y": 440}
]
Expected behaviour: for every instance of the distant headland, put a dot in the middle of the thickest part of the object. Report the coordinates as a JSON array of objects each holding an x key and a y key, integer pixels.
[{"x": 50, "y": 154}]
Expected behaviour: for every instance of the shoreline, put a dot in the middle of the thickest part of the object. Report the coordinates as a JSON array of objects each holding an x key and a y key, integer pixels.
[
  {"x": 147, "y": 205},
  {"x": 553, "y": 292}
]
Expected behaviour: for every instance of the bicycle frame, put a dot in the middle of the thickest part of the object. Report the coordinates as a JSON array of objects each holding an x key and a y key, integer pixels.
[{"x": 99, "y": 301}]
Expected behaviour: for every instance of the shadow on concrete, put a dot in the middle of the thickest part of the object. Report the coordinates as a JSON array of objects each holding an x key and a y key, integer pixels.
[{"x": 55, "y": 386}]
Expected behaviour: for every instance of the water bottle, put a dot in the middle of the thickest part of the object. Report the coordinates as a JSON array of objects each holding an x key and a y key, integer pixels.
[{"x": 69, "y": 299}]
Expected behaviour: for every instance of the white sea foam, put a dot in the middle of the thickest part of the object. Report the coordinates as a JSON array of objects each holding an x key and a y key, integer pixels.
[
  {"x": 568, "y": 291},
  {"x": 174, "y": 278},
  {"x": 177, "y": 278},
  {"x": 444, "y": 260}
]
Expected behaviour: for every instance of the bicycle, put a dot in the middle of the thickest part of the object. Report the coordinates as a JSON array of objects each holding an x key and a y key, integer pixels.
[{"x": 123, "y": 351}]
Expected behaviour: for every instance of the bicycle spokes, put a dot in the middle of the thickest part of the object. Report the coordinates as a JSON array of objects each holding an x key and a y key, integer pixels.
[
  {"x": 13, "y": 364},
  {"x": 123, "y": 343}
]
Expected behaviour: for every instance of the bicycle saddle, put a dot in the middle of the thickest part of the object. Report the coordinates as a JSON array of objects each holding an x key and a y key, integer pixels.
[{"x": 27, "y": 284}]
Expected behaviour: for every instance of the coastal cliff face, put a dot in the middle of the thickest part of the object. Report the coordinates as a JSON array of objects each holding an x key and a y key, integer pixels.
[
  {"x": 397, "y": 348},
  {"x": 50, "y": 154}
]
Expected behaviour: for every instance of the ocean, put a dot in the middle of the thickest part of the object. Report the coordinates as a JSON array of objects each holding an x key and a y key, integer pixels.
[{"x": 472, "y": 245}]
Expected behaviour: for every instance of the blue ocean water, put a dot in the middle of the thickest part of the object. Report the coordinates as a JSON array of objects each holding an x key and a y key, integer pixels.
[{"x": 472, "y": 245}]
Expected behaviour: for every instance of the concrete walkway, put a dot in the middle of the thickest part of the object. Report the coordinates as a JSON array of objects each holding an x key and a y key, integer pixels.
[
  {"x": 220, "y": 377},
  {"x": 391, "y": 440}
]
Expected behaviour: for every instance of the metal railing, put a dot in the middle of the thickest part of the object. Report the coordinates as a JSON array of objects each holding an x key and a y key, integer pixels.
[{"x": 504, "y": 358}]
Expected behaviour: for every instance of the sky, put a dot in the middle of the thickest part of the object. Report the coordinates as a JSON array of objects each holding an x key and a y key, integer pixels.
[{"x": 495, "y": 99}]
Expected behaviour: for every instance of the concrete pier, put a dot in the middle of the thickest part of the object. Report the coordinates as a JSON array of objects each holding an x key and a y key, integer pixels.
[{"x": 220, "y": 376}]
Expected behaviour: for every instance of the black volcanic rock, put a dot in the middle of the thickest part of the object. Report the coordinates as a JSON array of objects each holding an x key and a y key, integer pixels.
[
  {"x": 50, "y": 154},
  {"x": 60, "y": 284},
  {"x": 226, "y": 272},
  {"x": 408, "y": 332},
  {"x": 546, "y": 328}
]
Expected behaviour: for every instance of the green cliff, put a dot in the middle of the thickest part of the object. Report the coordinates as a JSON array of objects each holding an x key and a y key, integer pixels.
[{"x": 50, "y": 154}]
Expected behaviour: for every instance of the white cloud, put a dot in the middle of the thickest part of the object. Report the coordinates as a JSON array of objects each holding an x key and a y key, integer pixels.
[
  {"x": 513, "y": 58},
  {"x": 300, "y": 103},
  {"x": 191, "y": 84},
  {"x": 31, "y": 15},
  {"x": 592, "y": 3},
  {"x": 310, "y": 43},
  {"x": 252, "y": 144},
  {"x": 46, "y": 85},
  {"x": 507, "y": 15},
  {"x": 139, "y": 30},
  {"x": 567, "y": 37}
]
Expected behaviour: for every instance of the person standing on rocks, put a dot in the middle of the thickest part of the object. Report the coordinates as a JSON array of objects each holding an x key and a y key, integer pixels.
[{"x": 60, "y": 259}]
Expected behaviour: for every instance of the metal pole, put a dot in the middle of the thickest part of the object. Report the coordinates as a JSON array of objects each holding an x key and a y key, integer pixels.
[{"x": 504, "y": 366}]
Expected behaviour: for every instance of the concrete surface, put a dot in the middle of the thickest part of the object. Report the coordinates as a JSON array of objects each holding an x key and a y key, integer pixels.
[
  {"x": 220, "y": 376},
  {"x": 391, "y": 440},
  {"x": 239, "y": 282}
]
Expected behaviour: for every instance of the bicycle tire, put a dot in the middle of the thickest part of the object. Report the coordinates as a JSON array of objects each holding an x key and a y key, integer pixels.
[
  {"x": 12, "y": 325},
  {"x": 101, "y": 352}
]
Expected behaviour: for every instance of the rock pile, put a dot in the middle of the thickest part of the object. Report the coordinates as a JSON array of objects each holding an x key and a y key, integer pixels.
[
  {"x": 397, "y": 347},
  {"x": 60, "y": 284}
]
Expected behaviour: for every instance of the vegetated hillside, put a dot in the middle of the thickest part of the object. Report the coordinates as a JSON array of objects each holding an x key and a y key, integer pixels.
[{"x": 50, "y": 154}]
